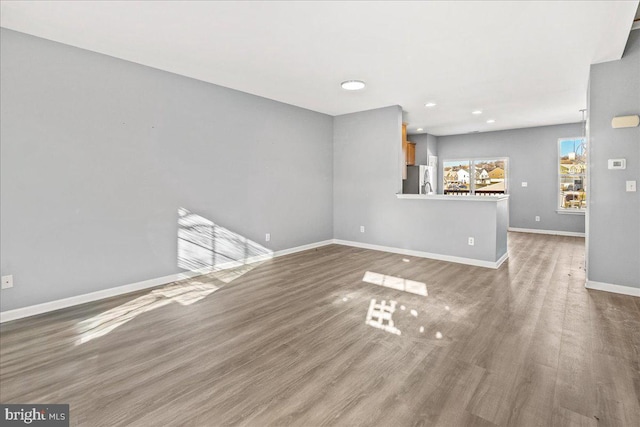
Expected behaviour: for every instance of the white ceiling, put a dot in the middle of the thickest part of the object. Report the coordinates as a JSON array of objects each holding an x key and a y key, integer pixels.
[{"x": 522, "y": 63}]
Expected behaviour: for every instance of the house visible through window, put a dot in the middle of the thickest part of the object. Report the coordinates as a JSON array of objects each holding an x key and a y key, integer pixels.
[
  {"x": 572, "y": 155},
  {"x": 482, "y": 177}
]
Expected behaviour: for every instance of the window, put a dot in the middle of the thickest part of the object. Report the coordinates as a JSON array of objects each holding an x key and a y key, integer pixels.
[
  {"x": 456, "y": 176},
  {"x": 572, "y": 173},
  {"x": 482, "y": 177}
]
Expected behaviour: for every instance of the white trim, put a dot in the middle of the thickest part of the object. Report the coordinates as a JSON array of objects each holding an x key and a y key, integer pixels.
[
  {"x": 261, "y": 258},
  {"x": 45, "y": 307},
  {"x": 609, "y": 287},
  {"x": 33, "y": 310},
  {"x": 302, "y": 248},
  {"x": 421, "y": 254},
  {"x": 502, "y": 259},
  {"x": 551, "y": 232}
]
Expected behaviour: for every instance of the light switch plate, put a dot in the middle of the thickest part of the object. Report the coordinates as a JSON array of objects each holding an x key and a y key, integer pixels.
[
  {"x": 524, "y": 184},
  {"x": 631, "y": 186}
]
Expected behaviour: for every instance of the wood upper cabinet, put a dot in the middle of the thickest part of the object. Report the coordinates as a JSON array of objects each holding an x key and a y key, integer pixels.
[
  {"x": 404, "y": 151},
  {"x": 408, "y": 152},
  {"x": 411, "y": 153}
]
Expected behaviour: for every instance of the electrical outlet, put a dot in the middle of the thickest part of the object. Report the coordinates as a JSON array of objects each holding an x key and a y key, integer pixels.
[
  {"x": 471, "y": 241},
  {"x": 7, "y": 281},
  {"x": 524, "y": 183},
  {"x": 362, "y": 228},
  {"x": 537, "y": 218},
  {"x": 267, "y": 237},
  {"x": 631, "y": 186}
]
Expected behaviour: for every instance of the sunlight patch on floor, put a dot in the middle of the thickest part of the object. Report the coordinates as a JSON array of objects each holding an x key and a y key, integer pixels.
[
  {"x": 381, "y": 316},
  {"x": 183, "y": 293},
  {"x": 411, "y": 286},
  {"x": 203, "y": 247}
]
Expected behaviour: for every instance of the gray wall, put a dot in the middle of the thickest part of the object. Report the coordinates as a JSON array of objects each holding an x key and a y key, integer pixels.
[
  {"x": 614, "y": 216},
  {"x": 426, "y": 145},
  {"x": 98, "y": 154},
  {"x": 366, "y": 168},
  {"x": 533, "y": 157}
]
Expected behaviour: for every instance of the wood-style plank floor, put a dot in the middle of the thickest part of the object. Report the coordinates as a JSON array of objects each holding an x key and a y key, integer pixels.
[{"x": 286, "y": 343}]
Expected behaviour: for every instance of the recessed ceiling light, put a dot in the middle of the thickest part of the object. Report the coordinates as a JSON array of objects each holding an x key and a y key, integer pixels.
[
  {"x": 430, "y": 104},
  {"x": 352, "y": 85},
  {"x": 476, "y": 112},
  {"x": 420, "y": 129},
  {"x": 491, "y": 121}
]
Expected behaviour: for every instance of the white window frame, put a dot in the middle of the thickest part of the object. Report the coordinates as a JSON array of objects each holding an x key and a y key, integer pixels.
[
  {"x": 472, "y": 164},
  {"x": 559, "y": 208}
]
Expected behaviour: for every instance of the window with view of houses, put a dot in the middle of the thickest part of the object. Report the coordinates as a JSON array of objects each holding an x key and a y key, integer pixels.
[
  {"x": 481, "y": 177},
  {"x": 572, "y": 155}
]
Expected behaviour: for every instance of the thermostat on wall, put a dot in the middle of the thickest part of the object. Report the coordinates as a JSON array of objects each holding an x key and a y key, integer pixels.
[{"x": 617, "y": 163}]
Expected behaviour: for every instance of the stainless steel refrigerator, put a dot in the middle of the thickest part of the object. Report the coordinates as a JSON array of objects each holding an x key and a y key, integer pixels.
[{"x": 421, "y": 179}]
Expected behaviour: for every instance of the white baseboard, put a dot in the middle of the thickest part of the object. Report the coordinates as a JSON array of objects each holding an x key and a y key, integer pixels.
[
  {"x": 33, "y": 310},
  {"x": 502, "y": 259},
  {"x": 421, "y": 254},
  {"x": 302, "y": 248},
  {"x": 616, "y": 289},
  {"x": 551, "y": 232}
]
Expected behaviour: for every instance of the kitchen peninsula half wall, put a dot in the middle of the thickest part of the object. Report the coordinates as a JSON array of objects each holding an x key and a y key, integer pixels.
[
  {"x": 369, "y": 213},
  {"x": 473, "y": 227}
]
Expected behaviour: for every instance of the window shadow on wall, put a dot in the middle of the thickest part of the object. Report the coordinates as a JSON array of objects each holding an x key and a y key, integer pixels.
[
  {"x": 205, "y": 247},
  {"x": 214, "y": 253}
]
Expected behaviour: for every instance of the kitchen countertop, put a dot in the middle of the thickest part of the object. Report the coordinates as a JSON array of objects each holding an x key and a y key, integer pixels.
[{"x": 454, "y": 198}]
